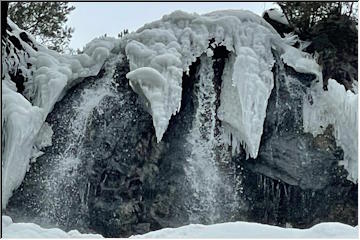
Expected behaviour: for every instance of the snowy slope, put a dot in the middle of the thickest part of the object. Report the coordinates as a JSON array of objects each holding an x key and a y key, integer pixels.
[
  {"x": 254, "y": 230},
  {"x": 161, "y": 51},
  {"x": 48, "y": 75},
  {"x": 32, "y": 230}
]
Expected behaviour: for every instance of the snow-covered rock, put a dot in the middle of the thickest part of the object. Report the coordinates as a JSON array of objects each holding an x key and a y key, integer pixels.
[
  {"x": 254, "y": 230},
  {"x": 32, "y": 230},
  {"x": 338, "y": 107},
  {"x": 161, "y": 51},
  {"x": 277, "y": 15},
  {"x": 47, "y": 75}
]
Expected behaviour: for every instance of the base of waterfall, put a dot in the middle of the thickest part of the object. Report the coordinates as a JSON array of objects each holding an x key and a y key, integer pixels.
[{"x": 221, "y": 230}]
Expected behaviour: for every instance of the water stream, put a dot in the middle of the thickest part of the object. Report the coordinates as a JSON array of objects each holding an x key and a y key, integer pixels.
[{"x": 211, "y": 191}]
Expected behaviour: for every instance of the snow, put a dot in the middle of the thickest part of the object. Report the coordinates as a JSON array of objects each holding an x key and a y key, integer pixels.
[
  {"x": 221, "y": 230},
  {"x": 160, "y": 52},
  {"x": 339, "y": 108},
  {"x": 32, "y": 230},
  {"x": 277, "y": 15},
  {"x": 48, "y": 75},
  {"x": 302, "y": 62},
  {"x": 254, "y": 230}
]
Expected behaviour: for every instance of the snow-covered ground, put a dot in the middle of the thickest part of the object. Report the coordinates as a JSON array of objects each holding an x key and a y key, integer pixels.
[
  {"x": 254, "y": 230},
  {"x": 32, "y": 230},
  {"x": 222, "y": 230}
]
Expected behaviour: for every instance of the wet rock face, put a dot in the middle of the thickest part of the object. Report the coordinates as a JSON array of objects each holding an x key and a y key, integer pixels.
[
  {"x": 119, "y": 144},
  {"x": 296, "y": 178},
  {"x": 287, "y": 153},
  {"x": 277, "y": 203},
  {"x": 136, "y": 184}
]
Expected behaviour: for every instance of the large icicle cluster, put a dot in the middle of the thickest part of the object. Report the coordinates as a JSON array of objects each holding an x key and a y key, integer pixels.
[
  {"x": 47, "y": 75},
  {"x": 161, "y": 51},
  {"x": 338, "y": 107}
]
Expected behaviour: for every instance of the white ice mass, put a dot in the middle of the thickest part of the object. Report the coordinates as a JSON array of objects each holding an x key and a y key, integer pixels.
[
  {"x": 337, "y": 107},
  {"x": 161, "y": 51}
]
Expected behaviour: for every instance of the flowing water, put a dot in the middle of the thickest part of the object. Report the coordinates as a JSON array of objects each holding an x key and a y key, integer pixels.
[
  {"x": 63, "y": 181},
  {"x": 210, "y": 190}
]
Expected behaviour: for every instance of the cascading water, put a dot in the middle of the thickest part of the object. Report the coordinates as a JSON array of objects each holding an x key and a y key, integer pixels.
[
  {"x": 62, "y": 181},
  {"x": 210, "y": 189},
  {"x": 59, "y": 194}
]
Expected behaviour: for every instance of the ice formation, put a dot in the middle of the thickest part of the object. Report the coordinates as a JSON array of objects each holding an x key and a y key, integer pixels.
[
  {"x": 337, "y": 107},
  {"x": 48, "y": 75},
  {"x": 161, "y": 51},
  {"x": 32, "y": 230}
]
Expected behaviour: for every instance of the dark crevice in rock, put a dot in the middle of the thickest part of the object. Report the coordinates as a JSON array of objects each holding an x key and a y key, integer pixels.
[
  {"x": 16, "y": 42},
  {"x": 26, "y": 39},
  {"x": 19, "y": 80}
]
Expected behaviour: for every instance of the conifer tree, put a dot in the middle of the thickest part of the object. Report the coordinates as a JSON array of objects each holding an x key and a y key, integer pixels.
[{"x": 44, "y": 20}]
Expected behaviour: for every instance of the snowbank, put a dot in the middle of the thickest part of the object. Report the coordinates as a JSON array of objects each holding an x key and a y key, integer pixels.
[
  {"x": 254, "y": 230},
  {"x": 31, "y": 230},
  {"x": 47, "y": 75},
  {"x": 338, "y": 107},
  {"x": 221, "y": 230},
  {"x": 161, "y": 51}
]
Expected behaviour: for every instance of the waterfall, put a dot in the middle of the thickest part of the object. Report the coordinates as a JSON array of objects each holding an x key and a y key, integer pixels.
[
  {"x": 210, "y": 191},
  {"x": 64, "y": 186}
]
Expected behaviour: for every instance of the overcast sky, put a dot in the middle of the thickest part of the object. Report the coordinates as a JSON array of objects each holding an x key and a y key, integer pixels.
[{"x": 93, "y": 19}]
